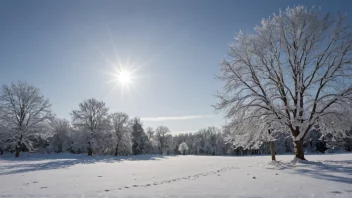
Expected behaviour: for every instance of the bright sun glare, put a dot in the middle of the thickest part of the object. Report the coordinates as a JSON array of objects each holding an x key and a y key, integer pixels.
[{"x": 124, "y": 77}]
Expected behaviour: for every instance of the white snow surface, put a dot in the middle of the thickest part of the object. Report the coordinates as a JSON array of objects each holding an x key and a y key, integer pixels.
[{"x": 68, "y": 175}]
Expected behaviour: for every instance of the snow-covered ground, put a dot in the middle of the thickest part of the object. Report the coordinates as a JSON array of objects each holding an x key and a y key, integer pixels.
[{"x": 65, "y": 175}]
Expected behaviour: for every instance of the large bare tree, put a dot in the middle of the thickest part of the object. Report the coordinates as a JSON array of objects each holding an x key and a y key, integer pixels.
[
  {"x": 92, "y": 117},
  {"x": 60, "y": 135},
  {"x": 160, "y": 134},
  {"x": 293, "y": 71},
  {"x": 25, "y": 111},
  {"x": 119, "y": 123},
  {"x": 3, "y": 134},
  {"x": 150, "y": 132}
]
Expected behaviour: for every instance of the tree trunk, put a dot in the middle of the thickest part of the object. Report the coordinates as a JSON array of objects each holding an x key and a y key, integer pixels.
[
  {"x": 17, "y": 151},
  {"x": 117, "y": 149},
  {"x": 272, "y": 150},
  {"x": 1, "y": 152},
  {"x": 298, "y": 147},
  {"x": 161, "y": 149},
  {"x": 90, "y": 152},
  {"x": 18, "y": 147},
  {"x": 60, "y": 148}
]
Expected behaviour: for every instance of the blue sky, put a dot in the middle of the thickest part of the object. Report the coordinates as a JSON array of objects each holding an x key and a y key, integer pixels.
[{"x": 68, "y": 49}]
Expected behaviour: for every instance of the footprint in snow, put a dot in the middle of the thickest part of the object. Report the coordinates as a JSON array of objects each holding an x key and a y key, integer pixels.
[
  {"x": 100, "y": 176},
  {"x": 126, "y": 187},
  {"x": 43, "y": 187},
  {"x": 135, "y": 185},
  {"x": 35, "y": 182},
  {"x": 254, "y": 178},
  {"x": 107, "y": 190}
]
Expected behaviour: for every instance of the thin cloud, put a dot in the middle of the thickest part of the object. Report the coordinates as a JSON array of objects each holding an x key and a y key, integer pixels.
[
  {"x": 182, "y": 132},
  {"x": 168, "y": 118}
]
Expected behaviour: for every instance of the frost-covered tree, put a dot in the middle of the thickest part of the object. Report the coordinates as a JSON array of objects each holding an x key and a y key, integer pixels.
[
  {"x": 126, "y": 144},
  {"x": 153, "y": 146},
  {"x": 120, "y": 126},
  {"x": 213, "y": 139},
  {"x": 205, "y": 141},
  {"x": 3, "y": 134},
  {"x": 140, "y": 142},
  {"x": 3, "y": 138},
  {"x": 293, "y": 71},
  {"x": 336, "y": 129},
  {"x": 91, "y": 118},
  {"x": 106, "y": 143},
  {"x": 202, "y": 136},
  {"x": 78, "y": 140},
  {"x": 183, "y": 148},
  {"x": 193, "y": 143},
  {"x": 161, "y": 136},
  {"x": 253, "y": 134},
  {"x": 60, "y": 135},
  {"x": 170, "y": 145},
  {"x": 150, "y": 132},
  {"x": 25, "y": 112}
]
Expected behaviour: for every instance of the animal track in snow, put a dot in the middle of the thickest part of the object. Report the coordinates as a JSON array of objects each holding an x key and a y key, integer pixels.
[{"x": 189, "y": 177}]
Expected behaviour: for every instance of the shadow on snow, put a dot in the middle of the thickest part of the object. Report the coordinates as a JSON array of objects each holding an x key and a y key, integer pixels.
[
  {"x": 50, "y": 162},
  {"x": 325, "y": 170}
]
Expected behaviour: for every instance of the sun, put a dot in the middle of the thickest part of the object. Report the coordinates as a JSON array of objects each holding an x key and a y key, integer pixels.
[{"x": 124, "y": 77}]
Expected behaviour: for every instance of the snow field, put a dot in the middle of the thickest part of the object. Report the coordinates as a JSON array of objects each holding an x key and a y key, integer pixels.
[{"x": 68, "y": 175}]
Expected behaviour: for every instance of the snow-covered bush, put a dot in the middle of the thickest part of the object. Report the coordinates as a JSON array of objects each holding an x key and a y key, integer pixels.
[{"x": 183, "y": 148}]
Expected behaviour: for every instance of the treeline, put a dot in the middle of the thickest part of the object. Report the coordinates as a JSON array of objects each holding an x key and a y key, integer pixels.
[{"x": 28, "y": 124}]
